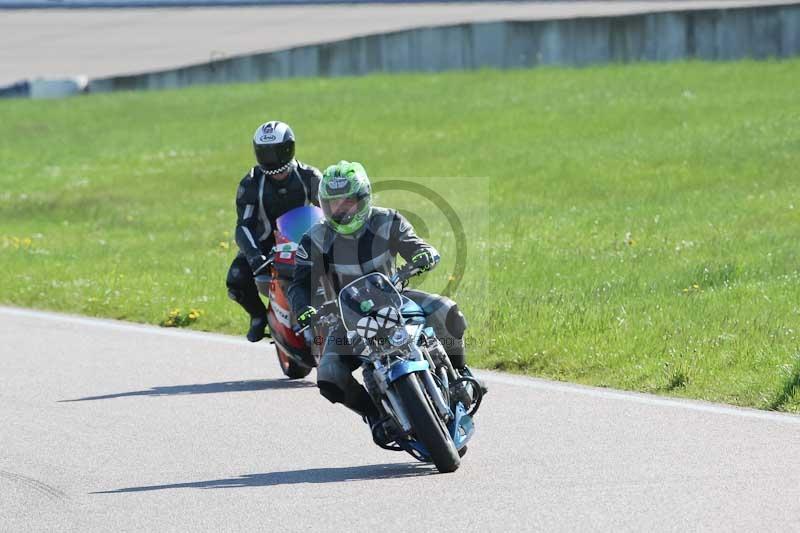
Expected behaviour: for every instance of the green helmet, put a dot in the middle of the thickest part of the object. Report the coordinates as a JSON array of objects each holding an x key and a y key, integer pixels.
[{"x": 345, "y": 196}]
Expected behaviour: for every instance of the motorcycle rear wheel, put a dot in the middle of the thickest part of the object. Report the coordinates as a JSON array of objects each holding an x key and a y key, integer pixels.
[
  {"x": 289, "y": 368},
  {"x": 426, "y": 425}
]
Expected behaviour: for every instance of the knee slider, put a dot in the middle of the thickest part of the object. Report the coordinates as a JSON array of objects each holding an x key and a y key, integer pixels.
[
  {"x": 238, "y": 277},
  {"x": 455, "y": 322},
  {"x": 331, "y": 392}
]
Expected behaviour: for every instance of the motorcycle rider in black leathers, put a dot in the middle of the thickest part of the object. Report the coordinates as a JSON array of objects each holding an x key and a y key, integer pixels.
[
  {"x": 357, "y": 239},
  {"x": 277, "y": 184}
]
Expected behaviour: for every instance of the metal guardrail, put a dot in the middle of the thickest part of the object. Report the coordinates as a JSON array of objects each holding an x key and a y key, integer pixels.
[{"x": 712, "y": 35}]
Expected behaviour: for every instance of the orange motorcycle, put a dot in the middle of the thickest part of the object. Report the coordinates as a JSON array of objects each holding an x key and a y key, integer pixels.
[{"x": 295, "y": 356}]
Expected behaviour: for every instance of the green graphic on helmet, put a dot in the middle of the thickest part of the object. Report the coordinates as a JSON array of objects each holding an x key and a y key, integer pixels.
[{"x": 345, "y": 196}]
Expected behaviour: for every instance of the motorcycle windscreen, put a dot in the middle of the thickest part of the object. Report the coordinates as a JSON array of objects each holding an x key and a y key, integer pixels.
[
  {"x": 293, "y": 224},
  {"x": 368, "y": 296}
]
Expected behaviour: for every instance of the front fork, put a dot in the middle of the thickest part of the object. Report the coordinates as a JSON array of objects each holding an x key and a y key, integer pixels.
[
  {"x": 438, "y": 358},
  {"x": 435, "y": 394},
  {"x": 382, "y": 395}
]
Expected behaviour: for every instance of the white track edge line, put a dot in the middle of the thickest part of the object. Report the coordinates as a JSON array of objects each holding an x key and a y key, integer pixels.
[
  {"x": 496, "y": 377},
  {"x": 123, "y": 326},
  {"x": 637, "y": 397}
]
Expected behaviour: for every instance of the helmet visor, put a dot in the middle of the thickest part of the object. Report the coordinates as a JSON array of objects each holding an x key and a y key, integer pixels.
[
  {"x": 341, "y": 210},
  {"x": 274, "y": 156}
]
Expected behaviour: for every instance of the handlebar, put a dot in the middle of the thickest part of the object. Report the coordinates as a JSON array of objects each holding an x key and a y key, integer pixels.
[
  {"x": 328, "y": 307},
  {"x": 265, "y": 267},
  {"x": 323, "y": 315},
  {"x": 324, "y": 312},
  {"x": 404, "y": 273}
]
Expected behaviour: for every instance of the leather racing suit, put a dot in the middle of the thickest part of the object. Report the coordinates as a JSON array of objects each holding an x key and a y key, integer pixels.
[
  {"x": 260, "y": 200},
  {"x": 334, "y": 260}
]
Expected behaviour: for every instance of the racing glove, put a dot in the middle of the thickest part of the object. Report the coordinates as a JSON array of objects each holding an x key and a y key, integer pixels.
[
  {"x": 424, "y": 260},
  {"x": 305, "y": 318}
]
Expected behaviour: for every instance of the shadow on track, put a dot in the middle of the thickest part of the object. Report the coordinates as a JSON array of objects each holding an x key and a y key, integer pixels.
[
  {"x": 207, "y": 388},
  {"x": 292, "y": 477}
]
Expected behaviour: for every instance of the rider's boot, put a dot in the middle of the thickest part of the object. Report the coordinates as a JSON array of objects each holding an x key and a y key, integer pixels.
[
  {"x": 251, "y": 302},
  {"x": 378, "y": 429},
  {"x": 467, "y": 372},
  {"x": 465, "y": 391},
  {"x": 359, "y": 400},
  {"x": 258, "y": 328}
]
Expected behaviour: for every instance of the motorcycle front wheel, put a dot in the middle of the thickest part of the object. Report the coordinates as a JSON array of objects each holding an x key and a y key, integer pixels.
[{"x": 427, "y": 426}]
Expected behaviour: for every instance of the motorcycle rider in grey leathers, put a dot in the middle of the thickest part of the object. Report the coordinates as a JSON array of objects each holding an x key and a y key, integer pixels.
[{"x": 355, "y": 239}]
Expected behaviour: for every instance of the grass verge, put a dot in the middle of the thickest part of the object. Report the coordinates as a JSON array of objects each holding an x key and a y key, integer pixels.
[{"x": 627, "y": 226}]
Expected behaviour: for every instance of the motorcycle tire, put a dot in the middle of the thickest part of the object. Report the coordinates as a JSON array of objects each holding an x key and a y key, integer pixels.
[
  {"x": 426, "y": 425},
  {"x": 289, "y": 368}
]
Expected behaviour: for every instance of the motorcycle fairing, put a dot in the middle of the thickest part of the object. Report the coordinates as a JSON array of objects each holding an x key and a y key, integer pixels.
[{"x": 410, "y": 309}]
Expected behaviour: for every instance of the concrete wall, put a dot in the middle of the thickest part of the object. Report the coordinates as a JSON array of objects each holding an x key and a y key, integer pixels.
[
  {"x": 46, "y": 88},
  {"x": 82, "y": 4},
  {"x": 726, "y": 34}
]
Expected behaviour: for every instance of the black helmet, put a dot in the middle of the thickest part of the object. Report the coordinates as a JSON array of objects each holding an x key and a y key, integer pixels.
[{"x": 273, "y": 144}]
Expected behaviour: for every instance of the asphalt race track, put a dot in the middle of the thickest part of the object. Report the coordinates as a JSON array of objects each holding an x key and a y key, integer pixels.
[
  {"x": 104, "y": 42},
  {"x": 109, "y": 426}
]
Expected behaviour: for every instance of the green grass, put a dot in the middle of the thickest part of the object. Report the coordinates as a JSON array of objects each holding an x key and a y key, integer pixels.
[{"x": 628, "y": 226}]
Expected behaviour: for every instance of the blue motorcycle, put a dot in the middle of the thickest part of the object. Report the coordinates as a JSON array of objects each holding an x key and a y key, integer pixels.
[{"x": 427, "y": 406}]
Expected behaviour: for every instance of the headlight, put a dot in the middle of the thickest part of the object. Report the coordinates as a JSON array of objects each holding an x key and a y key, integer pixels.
[
  {"x": 367, "y": 327},
  {"x": 399, "y": 337}
]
